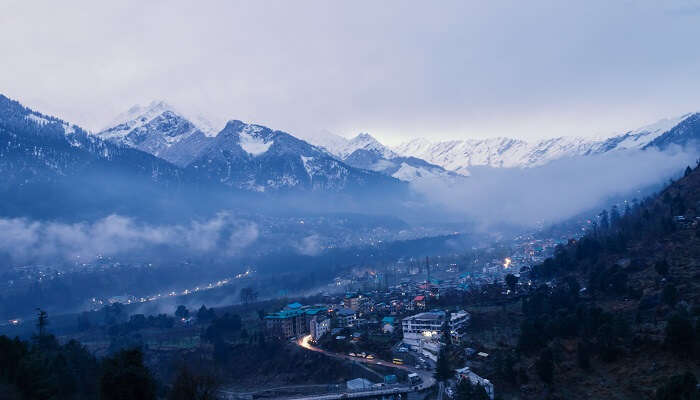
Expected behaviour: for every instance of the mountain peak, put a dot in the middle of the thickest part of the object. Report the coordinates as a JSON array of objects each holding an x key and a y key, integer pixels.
[{"x": 365, "y": 141}]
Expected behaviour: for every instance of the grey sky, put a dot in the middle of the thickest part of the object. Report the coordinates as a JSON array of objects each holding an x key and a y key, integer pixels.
[{"x": 442, "y": 70}]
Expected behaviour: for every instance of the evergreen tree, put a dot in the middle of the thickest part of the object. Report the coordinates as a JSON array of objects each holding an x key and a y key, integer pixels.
[
  {"x": 661, "y": 267},
  {"x": 679, "y": 387},
  {"x": 688, "y": 171},
  {"x": 680, "y": 335},
  {"x": 467, "y": 391},
  {"x": 42, "y": 321},
  {"x": 545, "y": 366},
  {"x": 582, "y": 355},
  {"x": 182, "y": 312},
  {"x": 670, "y": 295},
  {"x": 193, "y": 386},
  {"x": 604, "y": 221},
  {"x": 443, "y": 370},
  {"x": 125, "y": 377},
  {"x": 511, "y": 282},
  {"x": 614, "y": 217}
]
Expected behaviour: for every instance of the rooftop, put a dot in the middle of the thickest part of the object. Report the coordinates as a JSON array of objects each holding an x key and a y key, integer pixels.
[{"x": 432, "y": 315}]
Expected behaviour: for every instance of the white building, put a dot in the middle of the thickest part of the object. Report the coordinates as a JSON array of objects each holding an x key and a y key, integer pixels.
[
  {"x": 318, "y": 326},
  {"x": 458, "y": 322},
  {"x": 423, "y": 331},
  {"x": 466, "y": 373}
]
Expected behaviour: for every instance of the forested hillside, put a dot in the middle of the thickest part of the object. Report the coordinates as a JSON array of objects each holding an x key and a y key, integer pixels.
[{"x": 615, "y": 314}]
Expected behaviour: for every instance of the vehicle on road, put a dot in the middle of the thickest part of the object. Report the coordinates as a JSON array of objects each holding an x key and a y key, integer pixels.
[
  {"x": 397, "y": 361},
  {"x": 414, "y": 379}
]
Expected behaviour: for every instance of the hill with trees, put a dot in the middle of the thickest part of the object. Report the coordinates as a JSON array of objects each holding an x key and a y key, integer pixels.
[{"x": 615, "y": 313}]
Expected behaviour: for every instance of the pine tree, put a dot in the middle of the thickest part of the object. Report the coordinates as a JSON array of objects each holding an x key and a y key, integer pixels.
[
  {"x": 545, "y": 366},
  {"x": 443, "y": 371}
]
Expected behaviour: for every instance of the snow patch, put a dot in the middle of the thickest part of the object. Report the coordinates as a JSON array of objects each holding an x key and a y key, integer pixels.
[
  {"x": 37, "y": 119},
  {"x": 407, "y": 173},
  {"x": 307, "y": 166},
  {"x": 252, "y": 143}
]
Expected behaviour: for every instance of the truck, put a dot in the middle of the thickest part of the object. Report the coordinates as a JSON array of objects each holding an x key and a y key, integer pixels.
[{"x": 414, "y": 379}]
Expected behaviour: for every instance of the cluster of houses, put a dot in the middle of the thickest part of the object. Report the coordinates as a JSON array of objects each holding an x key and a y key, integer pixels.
[
  {"x": 356, "y": 310},
  {"x": 422, "y": 332}
]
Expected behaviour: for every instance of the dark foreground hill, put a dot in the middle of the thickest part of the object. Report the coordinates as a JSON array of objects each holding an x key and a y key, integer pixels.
[{"x": 613, "y": 315}]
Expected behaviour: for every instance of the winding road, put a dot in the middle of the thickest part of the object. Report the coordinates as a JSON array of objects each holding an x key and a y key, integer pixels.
[{"x": 427, "y": 379}]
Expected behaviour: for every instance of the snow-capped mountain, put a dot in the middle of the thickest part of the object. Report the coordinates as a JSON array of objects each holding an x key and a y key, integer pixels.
[
  {"x": 365, "y": 152},
  {"x": 364, "y": 141},
  {"x": 258, "y": 158},
  {"x": 159, "y": 130},
  {"x": 460, "y": 155},
  {"x": 244, "y": 156},
  {"x": 51, "y": 167}
]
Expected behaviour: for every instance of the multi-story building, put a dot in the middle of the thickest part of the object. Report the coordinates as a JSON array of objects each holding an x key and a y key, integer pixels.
[
  {"x": 293, "y": 320},
  {"x": 352, "y": 301},
  {"x": 345, "y": 317},
  {"x": 423, "y": 331},
  {"x": 459, "y": 320},
  {"x": 318, "y": 326},
  {"x": 286, "y": 323}
]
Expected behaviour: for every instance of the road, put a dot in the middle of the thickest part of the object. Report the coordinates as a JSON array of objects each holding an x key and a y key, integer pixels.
[
  {"x": 426, "y": 376},
  {"x": 233, "y": 394}
]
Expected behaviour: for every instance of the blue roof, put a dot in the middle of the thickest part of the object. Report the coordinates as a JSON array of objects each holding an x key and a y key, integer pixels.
[
  {"x": 284, "y": 314},
  {"x": 388, "y": 320},
  {"x": 294, "y": 305}
]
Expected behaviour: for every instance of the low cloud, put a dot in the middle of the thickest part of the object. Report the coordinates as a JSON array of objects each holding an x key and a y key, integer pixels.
[
  {"x": 26, "y": 241},
  {"x": 309, "y": 245},
  {"x": 553, "y": 192}
]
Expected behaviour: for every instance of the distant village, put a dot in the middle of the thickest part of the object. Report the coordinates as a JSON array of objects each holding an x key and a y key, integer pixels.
[{"x": 408, "y": 309}]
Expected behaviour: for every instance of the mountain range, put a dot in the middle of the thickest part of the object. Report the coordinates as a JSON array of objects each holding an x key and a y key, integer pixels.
[
  {"x": 160, "y": 130},
  {"x": 244, "y": 156},
  {"x": 159, "y": 144},
  {"x": 460, "y": 155}
]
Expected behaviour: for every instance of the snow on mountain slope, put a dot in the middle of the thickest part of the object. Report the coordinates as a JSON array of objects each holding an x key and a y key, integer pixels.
[
  {"x": 365, "y": 141},
  {"x": 254, "y": 157},
  {"x": 159, "y": 130},
  {"x": 365, "y": 152},
  {"x": 342, "y": 148},
  {"x": 326, "y": 140},
  {"x": 460, "y": 155},
  {"x": 252, "y": 141},
  {"x": 403, "y": 168}
]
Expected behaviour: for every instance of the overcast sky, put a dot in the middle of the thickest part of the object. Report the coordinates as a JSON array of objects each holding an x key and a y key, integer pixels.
[{"x": 399, "y": 70}]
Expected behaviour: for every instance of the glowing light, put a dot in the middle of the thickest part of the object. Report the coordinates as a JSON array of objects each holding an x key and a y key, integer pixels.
[
  {"x": 506, "y": 263},
  {"x": 304, "y": 342}
]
